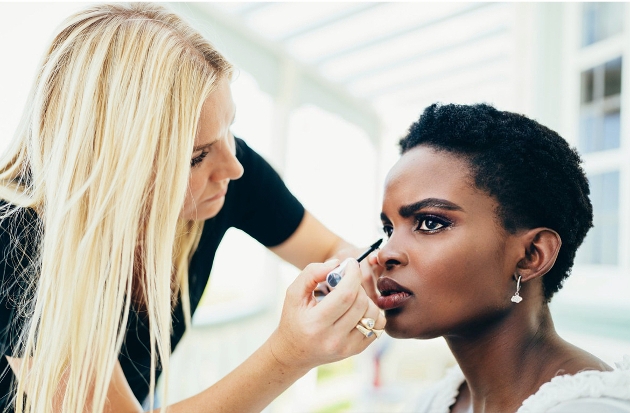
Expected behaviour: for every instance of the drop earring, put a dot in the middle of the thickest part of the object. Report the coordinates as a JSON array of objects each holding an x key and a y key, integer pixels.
[{"x": 516, "y": 298}]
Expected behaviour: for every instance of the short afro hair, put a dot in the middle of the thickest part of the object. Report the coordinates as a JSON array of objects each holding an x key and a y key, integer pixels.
[{"x": 530, "y": 170}]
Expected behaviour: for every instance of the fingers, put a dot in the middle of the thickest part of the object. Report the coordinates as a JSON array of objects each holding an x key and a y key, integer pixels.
[
  {"x": 313, "y": 274},
  {"x": 361, "y": 308},
  {"x": 373, "y": 321},
  {"x": 312, "y": 333},
  {"x": 342, "y": 298}
]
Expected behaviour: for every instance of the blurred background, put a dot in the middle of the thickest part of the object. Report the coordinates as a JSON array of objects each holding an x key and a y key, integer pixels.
[{"x": 324, "y": 91}]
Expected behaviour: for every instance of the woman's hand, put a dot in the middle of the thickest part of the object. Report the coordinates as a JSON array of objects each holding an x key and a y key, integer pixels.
[{"x": 312, "y": 333}]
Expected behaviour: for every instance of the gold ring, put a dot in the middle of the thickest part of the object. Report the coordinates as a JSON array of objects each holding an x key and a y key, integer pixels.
[
  {"x": 377, "y": 332},
  {"x": 366, "y": 332},
  {"x": 368, "y": 323}
]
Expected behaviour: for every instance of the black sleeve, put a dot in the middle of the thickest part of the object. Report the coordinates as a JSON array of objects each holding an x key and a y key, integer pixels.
[
  {"x": 259, "y": 203},
  {"x": 17, "y": 232}
]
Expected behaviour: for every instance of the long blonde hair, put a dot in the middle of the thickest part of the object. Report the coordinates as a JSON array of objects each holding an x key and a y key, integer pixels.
[{"x": 102, "y": 154}]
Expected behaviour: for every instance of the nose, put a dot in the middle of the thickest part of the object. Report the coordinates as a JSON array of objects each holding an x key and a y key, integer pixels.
[
  {"x": 228, "y": 166},
  {"x": 392, "y": 255},
  {"x": 234, "y": 169}
]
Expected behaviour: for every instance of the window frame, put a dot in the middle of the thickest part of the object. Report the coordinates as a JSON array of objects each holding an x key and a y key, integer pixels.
[{"x": 588, "y": 279}]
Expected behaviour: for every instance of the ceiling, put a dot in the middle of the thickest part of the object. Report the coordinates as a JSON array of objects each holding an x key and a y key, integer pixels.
[{"x": 394, "y": 56}]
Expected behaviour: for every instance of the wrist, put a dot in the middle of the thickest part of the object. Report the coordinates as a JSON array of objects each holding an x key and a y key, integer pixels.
[{"x": 287, "y": 356}]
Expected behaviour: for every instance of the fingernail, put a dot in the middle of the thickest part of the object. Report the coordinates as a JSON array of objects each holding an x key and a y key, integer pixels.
[{"x": 347, "y": 260}]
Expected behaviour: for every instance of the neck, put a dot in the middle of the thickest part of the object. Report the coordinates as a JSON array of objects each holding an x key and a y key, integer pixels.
[{"x": 508, "y": 359}]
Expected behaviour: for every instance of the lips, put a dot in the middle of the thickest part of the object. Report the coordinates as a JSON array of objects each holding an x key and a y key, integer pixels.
[
  {"x": 219, "y": 195},
  {"x": 393, "y": 295}
]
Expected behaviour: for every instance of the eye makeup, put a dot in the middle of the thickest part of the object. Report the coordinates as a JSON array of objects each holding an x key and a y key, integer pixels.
[
  {"x": 429, "y": 223},
  {"x": 426, "y": 222},
  {"x": 197, "y": 159}
]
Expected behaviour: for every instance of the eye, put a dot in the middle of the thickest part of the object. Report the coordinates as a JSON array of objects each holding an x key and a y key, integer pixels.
[
  {"x": 197, "y": 159},
  {"x": 388, "y": 229},
  {"x": 431, "y": 224}
]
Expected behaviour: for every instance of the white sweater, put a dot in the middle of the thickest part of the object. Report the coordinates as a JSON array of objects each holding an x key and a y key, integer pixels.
[{"x": 584, "y": 392}]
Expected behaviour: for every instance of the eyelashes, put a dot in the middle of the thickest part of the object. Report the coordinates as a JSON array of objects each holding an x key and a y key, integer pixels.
[
  {"x": 431, "y": 223},
  {"x": 205, "y": 150},
  {"x": 426, "y": 224},
  {"x": 197, "y": 159}
]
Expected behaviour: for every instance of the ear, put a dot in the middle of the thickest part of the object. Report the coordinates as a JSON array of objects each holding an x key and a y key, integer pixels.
[{"x": 541, "y": 247}]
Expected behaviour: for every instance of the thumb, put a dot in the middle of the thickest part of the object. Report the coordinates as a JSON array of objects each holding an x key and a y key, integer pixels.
[{"x": 312, "y": 275}]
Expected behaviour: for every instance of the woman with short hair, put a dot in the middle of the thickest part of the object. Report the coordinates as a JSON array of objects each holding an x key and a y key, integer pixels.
[{"x": 484, "y": 212}]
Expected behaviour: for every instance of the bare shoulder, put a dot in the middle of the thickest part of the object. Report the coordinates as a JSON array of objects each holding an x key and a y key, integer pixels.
[{"x": 575, "y": 360}]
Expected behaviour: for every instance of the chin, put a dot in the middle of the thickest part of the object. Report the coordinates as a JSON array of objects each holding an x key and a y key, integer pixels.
[
  {"x": 397, "y": 329},
  {"x": 393, "y": 327},
  {"x": 205, "y": 211},
  {"x": 211, "y": 210},
  {"x": 395, "y": 333}
]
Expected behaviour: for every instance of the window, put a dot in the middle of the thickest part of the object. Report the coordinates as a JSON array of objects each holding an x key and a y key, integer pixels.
[
  {"x": 600, "y": 133},
  {"x": 601, "y": 21},
  {"x": 600, "y": 107},
  {"x": 592, "y": 310},
  {"x": 601, "y": 245}
]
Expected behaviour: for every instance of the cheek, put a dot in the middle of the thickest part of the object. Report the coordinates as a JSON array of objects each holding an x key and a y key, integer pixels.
[
  {"x": 468, "y": 268},
  {"x": 196, "y": 184},
  {"x": 452, "y": 289}
]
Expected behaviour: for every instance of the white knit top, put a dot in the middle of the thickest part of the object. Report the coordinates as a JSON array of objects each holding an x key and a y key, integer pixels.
[{"x": 585, "y": 392}]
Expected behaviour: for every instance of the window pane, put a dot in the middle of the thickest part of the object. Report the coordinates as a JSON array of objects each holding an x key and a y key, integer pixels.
[
  {"x": 602, "y": 242},
  {"x": 587, "y": 86},
  {"x": 611, "y": 131},
  {"x": 600, "y": 112},
  {"x": 600, "y": 21},
  {"x": 587, "y": 133},
  {"x": 612, "y": 77},
  {"x": 599, "y": 132}
]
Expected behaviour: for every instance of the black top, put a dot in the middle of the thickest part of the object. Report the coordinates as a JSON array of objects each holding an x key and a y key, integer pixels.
[{"x": 258, "y": 203}]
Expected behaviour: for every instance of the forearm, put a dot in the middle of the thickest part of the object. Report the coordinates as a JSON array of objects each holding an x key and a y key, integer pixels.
[
  {"x": 342, "y": 249},
  {"x": 309, "y": 334},
  {"x": 313, "y": 242},
  {"x": 249, "y": 388}
]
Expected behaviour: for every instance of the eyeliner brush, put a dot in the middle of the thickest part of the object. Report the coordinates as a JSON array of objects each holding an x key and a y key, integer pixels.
[
  {"x": 333, "y": 277},
  {"x": 372, "y": 248}
]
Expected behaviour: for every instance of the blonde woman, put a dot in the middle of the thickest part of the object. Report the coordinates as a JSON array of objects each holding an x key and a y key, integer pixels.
[{"x": 117, "y": 190}]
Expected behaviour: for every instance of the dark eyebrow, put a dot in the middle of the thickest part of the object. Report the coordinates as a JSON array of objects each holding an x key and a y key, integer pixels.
[{"x": 407, "y": 211}]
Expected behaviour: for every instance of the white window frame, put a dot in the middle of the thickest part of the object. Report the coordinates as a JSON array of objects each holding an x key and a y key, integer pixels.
[{"x": 599, "y": 281}]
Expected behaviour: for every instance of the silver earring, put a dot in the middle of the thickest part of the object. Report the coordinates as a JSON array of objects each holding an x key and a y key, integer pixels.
[{"x": 516, "y": 298}]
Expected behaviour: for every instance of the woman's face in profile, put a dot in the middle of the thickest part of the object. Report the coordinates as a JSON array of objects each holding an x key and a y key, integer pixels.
[
  {"x": 213, "y": 161},
  {"x": 448, "y": 261}
]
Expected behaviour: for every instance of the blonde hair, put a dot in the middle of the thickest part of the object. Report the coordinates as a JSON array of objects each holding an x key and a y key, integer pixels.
[{"x": 102, "y": 154}]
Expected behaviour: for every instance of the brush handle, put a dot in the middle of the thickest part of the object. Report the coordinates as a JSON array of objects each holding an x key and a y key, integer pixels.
[{"x": 333, "y": 277}]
